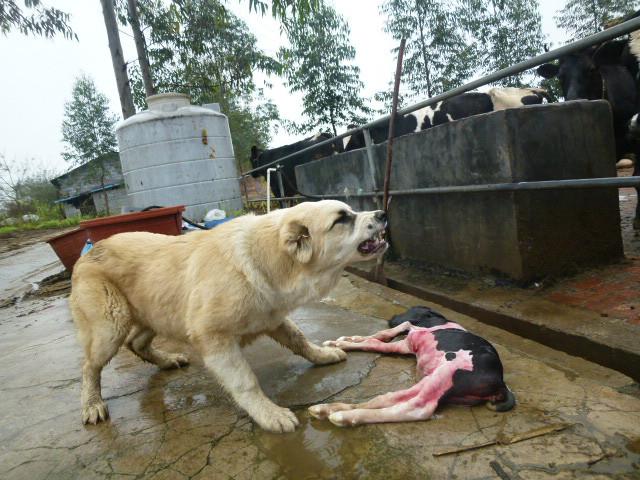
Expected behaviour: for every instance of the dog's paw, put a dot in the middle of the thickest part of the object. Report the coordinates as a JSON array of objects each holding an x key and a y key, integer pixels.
[
  {"x": 277, "y": 420},
  {"x": 327, "y": 355},
  {"x": 95, "y": 412},
  {"x": 174, "y": 360}
]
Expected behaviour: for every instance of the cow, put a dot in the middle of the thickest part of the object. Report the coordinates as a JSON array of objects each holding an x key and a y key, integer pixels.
[
  {"x": 461, "y": 106},
  {"x": 260, "y": 158},
  {"x": 608, "y": 71}
]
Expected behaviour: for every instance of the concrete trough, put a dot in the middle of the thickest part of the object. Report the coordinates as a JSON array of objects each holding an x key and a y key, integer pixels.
[{"x": 521, "y": 235}]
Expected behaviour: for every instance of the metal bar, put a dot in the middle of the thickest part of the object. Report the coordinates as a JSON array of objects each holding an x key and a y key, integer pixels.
[
  {"x": 280, "y": 185},
  {"x": 614, "y": 182},
  {"x": 269, "y": 170},
  {"x": 372, "y": 163},
  {"x": 608, "y": 34}
]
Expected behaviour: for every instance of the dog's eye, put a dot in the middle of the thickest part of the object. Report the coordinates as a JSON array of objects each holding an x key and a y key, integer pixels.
[{"x": 343, "y": 217}]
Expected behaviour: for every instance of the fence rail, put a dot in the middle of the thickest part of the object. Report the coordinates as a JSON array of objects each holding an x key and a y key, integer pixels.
[
  {"x": 586, "y": 183},
  {"x": 609, "y": 34}
]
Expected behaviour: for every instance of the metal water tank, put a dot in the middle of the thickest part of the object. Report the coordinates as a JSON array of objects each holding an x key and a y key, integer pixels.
[{"x": 176, "y": 153}]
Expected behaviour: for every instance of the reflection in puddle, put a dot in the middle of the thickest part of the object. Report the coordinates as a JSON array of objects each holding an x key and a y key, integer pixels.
[{"x": 319, "y": 450}]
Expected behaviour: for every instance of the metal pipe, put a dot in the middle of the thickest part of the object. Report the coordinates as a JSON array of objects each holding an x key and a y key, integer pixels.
[
  {"x": 613, "y": 182},
  {"x": 269, "y": 170},
  {"x": 608, "y": 34},
  {"x": 280, "y": 185},
  {"x": 372, "y": 162}
]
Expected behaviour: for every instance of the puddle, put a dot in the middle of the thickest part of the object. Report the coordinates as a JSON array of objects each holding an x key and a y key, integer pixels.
[{"x": 319, "y": 450}]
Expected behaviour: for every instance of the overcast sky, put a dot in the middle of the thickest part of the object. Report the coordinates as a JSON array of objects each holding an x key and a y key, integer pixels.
[{"x": 37, "y": 74}]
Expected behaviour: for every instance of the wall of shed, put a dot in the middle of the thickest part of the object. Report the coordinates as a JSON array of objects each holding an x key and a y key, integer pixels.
[
  {"x": 117, "y": 201},
  {"x": 86, "y": 177},
  {"x": 523, "y": 235}
]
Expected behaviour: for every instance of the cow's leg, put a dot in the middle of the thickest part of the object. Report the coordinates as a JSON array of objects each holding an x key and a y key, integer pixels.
[
  {"x": 323, "y": 411},
  {"x": 416, "y": 403},
  {"x": 372, "y": 345},
  {"x": 405, "y": 412},
  {"x": 382, "y": 335}
]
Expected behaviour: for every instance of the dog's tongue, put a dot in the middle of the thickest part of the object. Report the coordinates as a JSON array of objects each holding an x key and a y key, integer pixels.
[{"x": 369, "y": 246}]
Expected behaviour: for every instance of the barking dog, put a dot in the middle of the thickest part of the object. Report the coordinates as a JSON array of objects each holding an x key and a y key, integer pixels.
[
  {"x": 217, "y": 290},
  {"x": 455, "y": 366}
]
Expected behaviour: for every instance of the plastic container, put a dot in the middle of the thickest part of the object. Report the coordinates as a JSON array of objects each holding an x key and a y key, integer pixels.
[
  {"x": 167, "y": 221},
  {"x": 68, "y": 246},
  {"x": 178, "y": 153}
]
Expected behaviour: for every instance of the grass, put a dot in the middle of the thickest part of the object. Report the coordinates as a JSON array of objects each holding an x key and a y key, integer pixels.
[{"x": 47, "y": 224}]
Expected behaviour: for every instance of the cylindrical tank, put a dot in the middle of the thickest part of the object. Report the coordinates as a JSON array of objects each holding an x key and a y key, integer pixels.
[{"x": 176, "y": 153}]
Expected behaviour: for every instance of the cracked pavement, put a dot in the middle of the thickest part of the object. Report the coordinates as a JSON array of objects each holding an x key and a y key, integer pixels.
[{"x": 179, "y": 424}]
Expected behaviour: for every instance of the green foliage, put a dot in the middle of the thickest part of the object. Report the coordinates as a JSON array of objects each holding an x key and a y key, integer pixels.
[
  {"x": 450, "y": 42},
  {"x": 319, "y": 64},
  {"x": 88, "y": 126},
  {"x": 35, "y": 19},
  {"x": 437, "y": 55},
  {"x": 43, "y": 225},
  {"x": 285, "y": 8},
  {"x": 580, "y": 18},
  {"x": 25, "y": 187},
  {"x": 48, "y": 210},
  {"x": 200, "y": 48},
  {"x": 505, "y": 33}
]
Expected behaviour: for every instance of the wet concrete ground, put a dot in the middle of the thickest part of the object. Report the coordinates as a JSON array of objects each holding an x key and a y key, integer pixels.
[{"x": 179, "y": 424}]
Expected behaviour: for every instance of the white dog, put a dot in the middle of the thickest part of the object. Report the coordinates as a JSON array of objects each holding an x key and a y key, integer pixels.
[{"x": 218, "y": 290}]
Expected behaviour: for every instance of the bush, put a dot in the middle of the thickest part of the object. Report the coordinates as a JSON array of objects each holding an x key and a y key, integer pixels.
[
  {"x": 48, "y": 210},
  {"x": 8, "y": 229}
]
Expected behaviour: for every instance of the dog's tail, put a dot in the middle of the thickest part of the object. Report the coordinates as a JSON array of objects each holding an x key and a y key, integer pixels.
[{"x": 504, "y": 401}]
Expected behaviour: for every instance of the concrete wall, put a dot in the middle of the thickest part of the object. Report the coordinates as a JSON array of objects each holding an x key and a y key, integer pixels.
[{"x": 523, "y": 235}]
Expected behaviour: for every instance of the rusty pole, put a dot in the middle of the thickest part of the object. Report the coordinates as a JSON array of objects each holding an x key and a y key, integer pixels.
[{"x": 379, "y": 271}]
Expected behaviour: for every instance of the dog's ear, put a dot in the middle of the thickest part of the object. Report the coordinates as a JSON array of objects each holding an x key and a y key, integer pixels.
[{"x": 297, "y": 241}]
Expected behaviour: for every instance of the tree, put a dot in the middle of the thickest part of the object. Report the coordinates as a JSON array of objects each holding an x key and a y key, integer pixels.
[
  {"x": 117, "y": 59},
  {"x": 24, "y": 186},
  {"x": 200, "y": 48},
  {"x": 580, "y": 18},
  {"x": 505, "y": 33},
  {"x": 88, "y": 129},
  {"x": 319, "y": 64},
  {"x": 43, "y": 21},
  {"x": 437, "y": 55}
]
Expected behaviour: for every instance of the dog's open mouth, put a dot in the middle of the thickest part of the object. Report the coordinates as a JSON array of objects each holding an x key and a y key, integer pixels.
[{"x": 373, "y": 244}]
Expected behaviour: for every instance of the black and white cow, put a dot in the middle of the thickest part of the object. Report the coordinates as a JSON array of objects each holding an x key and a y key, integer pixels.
[
  {"x": 263, "y": 157},
  {"x": 608, "y": 71},
  {"x": 462, "y": 106}
]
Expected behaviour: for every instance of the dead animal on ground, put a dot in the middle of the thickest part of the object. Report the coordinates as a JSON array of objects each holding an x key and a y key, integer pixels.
[
  {"x": 218, "y": 290},
  {"x": 454, "y": 365}
]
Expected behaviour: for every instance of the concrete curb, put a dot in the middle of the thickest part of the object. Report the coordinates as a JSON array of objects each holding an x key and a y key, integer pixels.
[{"x": 617, "y": 350}]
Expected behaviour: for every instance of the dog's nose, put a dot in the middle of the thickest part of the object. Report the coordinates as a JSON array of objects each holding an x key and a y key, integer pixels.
[{"x": 381, "y": 216}]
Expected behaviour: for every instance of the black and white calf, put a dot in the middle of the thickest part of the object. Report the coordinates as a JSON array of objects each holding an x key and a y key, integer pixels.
[
  {"x": 264, "y": 157},
  {"x": 462, "y": 106},
  {"x": 453, "y": 366}
]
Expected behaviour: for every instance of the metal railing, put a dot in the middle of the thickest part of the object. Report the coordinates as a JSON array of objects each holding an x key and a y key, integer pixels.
[{"x": 600, "y": 37}]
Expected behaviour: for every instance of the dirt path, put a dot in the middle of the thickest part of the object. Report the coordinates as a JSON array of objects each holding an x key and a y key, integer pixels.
[{"x": 24, "y": 238}]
